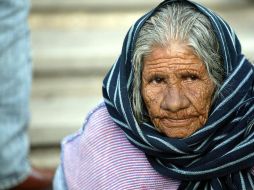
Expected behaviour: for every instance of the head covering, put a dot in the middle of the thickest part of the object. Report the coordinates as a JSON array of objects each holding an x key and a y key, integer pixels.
[{"x": 217, "y": 156}]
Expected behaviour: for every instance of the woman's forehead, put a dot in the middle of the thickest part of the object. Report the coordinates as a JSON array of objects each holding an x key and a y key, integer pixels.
[
  {"x": 176, "y": 54},
  {"x": 175, "y": 48}
]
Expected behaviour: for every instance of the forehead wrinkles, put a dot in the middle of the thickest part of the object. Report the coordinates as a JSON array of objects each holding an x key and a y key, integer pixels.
[
  {"x": 171, "y": 53},
  {"x": 175, "y": 64}
]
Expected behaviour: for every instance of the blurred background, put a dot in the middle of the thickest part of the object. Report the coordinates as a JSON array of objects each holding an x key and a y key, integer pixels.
[{"x": 74, "y": 43}]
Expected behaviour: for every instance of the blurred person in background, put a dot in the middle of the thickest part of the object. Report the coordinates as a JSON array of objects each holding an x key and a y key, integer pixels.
[
  {"x": 15, "y": 83},
  {"x": 178, "y": 110}
]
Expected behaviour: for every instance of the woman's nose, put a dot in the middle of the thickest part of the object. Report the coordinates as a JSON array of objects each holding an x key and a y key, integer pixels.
[{"x": 174, "y": 99}]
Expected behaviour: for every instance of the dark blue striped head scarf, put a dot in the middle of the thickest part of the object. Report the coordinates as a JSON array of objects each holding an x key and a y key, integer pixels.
[{"x": 218, "y": 156}]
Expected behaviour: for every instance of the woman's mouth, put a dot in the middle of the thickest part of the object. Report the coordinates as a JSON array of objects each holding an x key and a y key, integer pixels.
[{"x": 167, "y": 122}]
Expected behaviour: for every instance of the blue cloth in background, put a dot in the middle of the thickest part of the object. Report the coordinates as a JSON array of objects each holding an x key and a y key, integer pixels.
[{"x": 15, "y": 83}]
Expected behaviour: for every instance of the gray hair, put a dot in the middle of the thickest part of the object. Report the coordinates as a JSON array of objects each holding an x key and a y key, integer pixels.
[{"x": 177, "y": 21}]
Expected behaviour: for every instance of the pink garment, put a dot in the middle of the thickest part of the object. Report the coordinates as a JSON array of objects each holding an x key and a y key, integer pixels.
[{"x": 101, "y": 157}]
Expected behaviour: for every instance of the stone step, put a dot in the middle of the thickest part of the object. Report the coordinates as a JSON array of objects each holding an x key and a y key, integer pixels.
[
  {"x": 45, "y": 156},
  {"x": 60, "y": 105},
  {"x": 75, "y": 52},
  {"x": 72, "y": 44}
]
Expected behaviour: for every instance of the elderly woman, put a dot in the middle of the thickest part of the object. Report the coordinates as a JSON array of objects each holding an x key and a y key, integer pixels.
[{"x": 178, "y": 110}]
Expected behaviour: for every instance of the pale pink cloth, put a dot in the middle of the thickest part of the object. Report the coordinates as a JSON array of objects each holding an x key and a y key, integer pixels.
[{"x": 100, "y": 157}]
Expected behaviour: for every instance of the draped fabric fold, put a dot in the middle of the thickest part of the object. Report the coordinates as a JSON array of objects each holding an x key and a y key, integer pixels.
[{"x": 219, "y": 155}]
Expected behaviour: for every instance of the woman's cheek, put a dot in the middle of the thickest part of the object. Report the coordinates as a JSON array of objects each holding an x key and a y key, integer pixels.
[
  {"x": 199, "y": 95},
  {"x": 151, "y": 96}
]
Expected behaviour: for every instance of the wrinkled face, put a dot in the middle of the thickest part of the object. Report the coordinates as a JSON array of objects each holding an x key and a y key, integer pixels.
[{"x": 176, "y": 89}]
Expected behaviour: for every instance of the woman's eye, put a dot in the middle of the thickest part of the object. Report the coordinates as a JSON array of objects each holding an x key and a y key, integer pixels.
[
  {"x": 157, "y": 80},
  {"x": 190, "y": 77}
]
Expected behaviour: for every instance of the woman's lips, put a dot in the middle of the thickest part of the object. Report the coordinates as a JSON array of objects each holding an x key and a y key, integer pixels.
[{"x": 177, "y": 122}]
